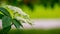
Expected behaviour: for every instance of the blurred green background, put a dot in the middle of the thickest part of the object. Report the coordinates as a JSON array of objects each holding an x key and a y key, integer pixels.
[{"x": 36, "y": 9}]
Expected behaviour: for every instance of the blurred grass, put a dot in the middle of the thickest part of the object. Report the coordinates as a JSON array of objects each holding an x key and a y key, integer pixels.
[
  {"x": 41, "y": 12},
  {"x": 34, "y": 31}
]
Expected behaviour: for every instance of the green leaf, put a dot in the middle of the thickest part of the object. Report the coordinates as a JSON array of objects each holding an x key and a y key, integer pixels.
[
  {"x": 6, "y": 21},
  {"x": 4, "y": 11},
  {"x": 17, "y": 23},
  {"x": 6, "y": 30},
  {"x": 1, "y": 16}
]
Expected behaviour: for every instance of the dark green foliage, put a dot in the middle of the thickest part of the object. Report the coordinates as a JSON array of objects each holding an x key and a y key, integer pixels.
[
  {"x": 6, "y": 30},
  {"x": 17, "y": 23},
  {"x": 6, "y": 24},
  {"x": 12, "y": 2},
  {"x": 30, "y": 3},
  {"x": 4, "y": 11},
  {"x": 1, "y": 16},
  {"x": 7, "y": 21}
]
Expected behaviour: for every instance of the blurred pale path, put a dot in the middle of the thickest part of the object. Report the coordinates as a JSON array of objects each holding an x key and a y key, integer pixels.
[
  {"x": 44, "y": 24},
  {"x": 41, "y": 24}
]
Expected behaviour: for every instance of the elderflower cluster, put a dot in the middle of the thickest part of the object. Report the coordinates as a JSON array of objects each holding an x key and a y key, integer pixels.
[{"x": 19, "y": 14}]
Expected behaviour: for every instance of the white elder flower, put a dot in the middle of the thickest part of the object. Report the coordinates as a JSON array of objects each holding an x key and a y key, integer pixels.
[
  {"x": 24, "y": 20},
  {"x": 21, "y": 19},
  {"x": 16, "y": 9},
  {"x": 29, "y": 21}
]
